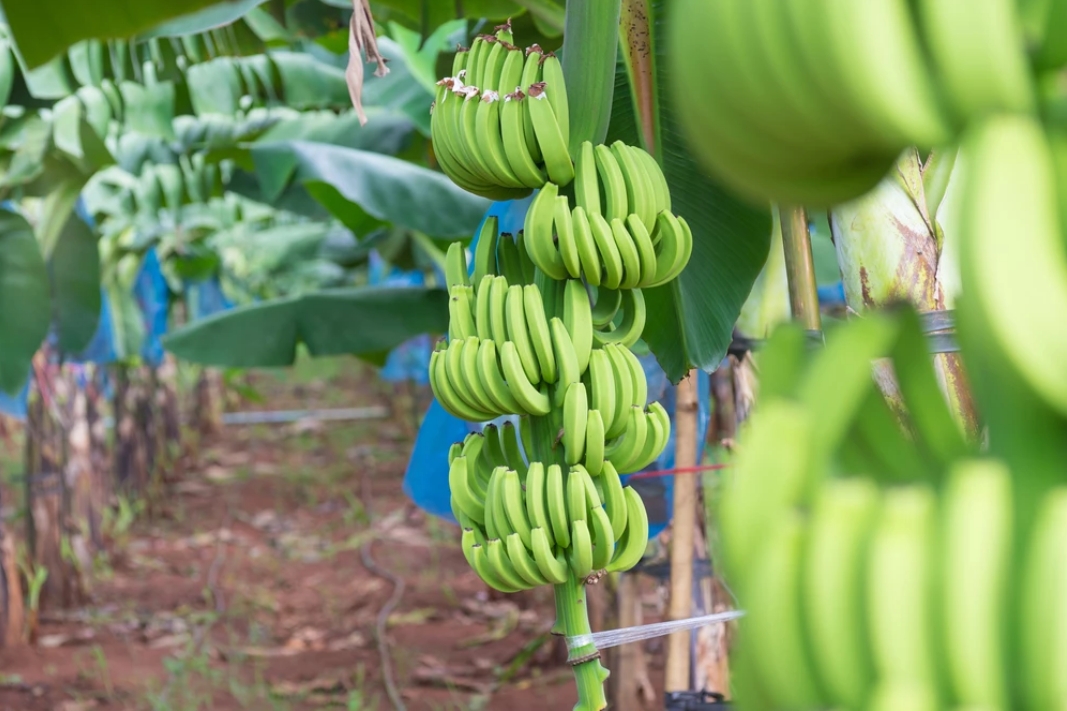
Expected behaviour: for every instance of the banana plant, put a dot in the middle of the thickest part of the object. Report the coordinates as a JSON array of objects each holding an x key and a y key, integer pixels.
[{"x": 890, "y": 247}]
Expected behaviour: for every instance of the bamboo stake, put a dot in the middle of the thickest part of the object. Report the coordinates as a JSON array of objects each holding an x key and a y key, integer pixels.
[
  {"x": 800, "y": 267},
  {"x": 682, "y": 534}
]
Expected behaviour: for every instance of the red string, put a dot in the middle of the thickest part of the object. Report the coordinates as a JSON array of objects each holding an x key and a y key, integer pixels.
[{"x": 679, "y": 470}]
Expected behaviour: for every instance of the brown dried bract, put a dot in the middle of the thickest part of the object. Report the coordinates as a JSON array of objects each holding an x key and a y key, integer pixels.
[
  {"x": 361, "y": 39},
  {"x": 536, "y": 90}
]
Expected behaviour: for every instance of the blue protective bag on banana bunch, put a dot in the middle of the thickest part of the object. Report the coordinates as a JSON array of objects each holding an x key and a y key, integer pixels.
[
  {"x": 153, "y": 298},
  {"x": 426, "y": 478},
  {"x": 411, "y": 359},
  {"x": 205, "y": 297},
  {"x": 15, "y": 405}
]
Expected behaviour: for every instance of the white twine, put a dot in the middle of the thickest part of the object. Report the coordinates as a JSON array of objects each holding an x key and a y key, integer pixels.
[{"x": 613, "y": 638}]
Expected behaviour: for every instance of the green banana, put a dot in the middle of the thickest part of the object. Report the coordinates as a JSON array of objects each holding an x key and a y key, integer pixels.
[
  {"x": 514, "y": 507},
  {"x": 639, "y": 191},
  {"x": 496, "y": 550},
  {"x": 552, "y": 567},
  {"x": 601, "y": 384},
  {"x": 901, "y": 614},
  {"x": 460, "y": 317},
  {"x": 626, "y": 450},
  {"x": 532, "y": 400},
  {"x": 461, "y": 493},
  {"x": 1011, "y": 189},
  {"x": 565, "y": 239},
  {"x": 575, "y": 419},
  {"x": 577, "y": 505},
  {"x": 512, "y": 115},
  {"x": 588, "y": 256},
  {"x": 497, "y": 320},
  {"x": 614, "y": 499},
  {"x": 603, "y": 537},
  {"x": 608, "y": 303},
  {"x": 624, "y": 393},
  {"x": 468, "y": 367},
  {"x": 531, "y": 74},
  {"x": 509, "y": 440},
  {"x": 631, "y": 258},
  {"x": 631, "y": 547},
  {"x": 580, "y": 552},
  {"x": 566, "y": 359},
  {"x": 456, "y": 266},
  {"x": 540, "y": 335},
  {"x": 485, "y": 251},
  {"x": 613, "y": 184},
  {"x": 488, "y": 571},
  {"x": 586, "y": 181},
  {"x": 550, "y": 138},
  {"x": 519, "y": 333},
  {"x": 483, "y": 318},
  {"x": 556, "y": 501},
  {"x": 646, "y": 251},
  {"x": 538, "y": 227},
  {"x": 578, "y": 320},
  {"x": 610, "y": 259},
  {"x": 833, "y": 588},
  {"x": 523, "y": 563},
  {"x": 594, "y": 442},
  {"x": 536, "y": 510},
  {"x": 495, "y": 385},
  {"x": 975, "y": 570},
  {"x": 774, "y": 623},
  {"x": 632, "y": 326},
  {"x": 1043, "y": 615}
]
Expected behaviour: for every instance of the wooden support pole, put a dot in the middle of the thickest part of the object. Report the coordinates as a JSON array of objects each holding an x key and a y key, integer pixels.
[
  {"x": 683, "y": 526},
  {"x": 800, "y": 267}
]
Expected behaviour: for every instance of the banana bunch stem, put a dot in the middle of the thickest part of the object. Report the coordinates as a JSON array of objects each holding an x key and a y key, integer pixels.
[
  {"x": 589, "y": 673},
  {"x": 572, "y": 612}
]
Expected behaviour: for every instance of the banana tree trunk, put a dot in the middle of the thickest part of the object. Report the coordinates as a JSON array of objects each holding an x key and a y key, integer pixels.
[
  {"x": 889, "y": 250},
  {"x": 131, "y": 451},
  {"x": 169, "y": 409},
  {"x": 208, "y": 406},
  {"x": 12, "y": 609},
  {"x": 47, "y": 496},
  {"x": 80, "y": 513},
  {"x": 101, "y": 486}
]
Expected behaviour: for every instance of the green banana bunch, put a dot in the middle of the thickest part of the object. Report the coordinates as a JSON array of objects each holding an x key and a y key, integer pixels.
[
  {"x": 540, "y": 327},
  {"x": 811, "y": 103},
  {"x": 867, "y": 586},
  {"x": 500, "y": 124},
  {"x": 1014, "y": 176},
  {"x": 526, "y": 524},
  {"x": 630, "y": 240}
]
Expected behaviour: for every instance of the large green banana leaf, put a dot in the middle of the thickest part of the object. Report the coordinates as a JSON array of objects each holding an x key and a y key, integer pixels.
[
  {"x": 74, "y": 269},
  {"x": 334, "y": 322},
  {"x": 361, "y": 187},
  {"x": 695, "y": 314},
  {"x": 44, "y": 29},
  {"x": 24, "y": 300}
]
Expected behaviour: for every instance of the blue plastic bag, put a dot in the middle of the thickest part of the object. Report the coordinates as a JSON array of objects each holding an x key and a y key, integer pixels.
[
  {"x": 205, "y": 297},
  {"x": 15, "y": 405},
  {"x": 153, "y": 298}
]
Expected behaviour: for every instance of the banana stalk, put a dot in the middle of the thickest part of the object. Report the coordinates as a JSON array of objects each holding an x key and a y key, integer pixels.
[
  {"x": 890, "y": 249},
  {"x": 768, "y": 303},
  {"x": 572, "y": 612},
  {"x": 591, "y": 41}
]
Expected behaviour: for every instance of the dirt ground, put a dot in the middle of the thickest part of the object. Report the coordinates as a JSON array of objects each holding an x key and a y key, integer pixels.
[{"x": 249, "y": 590}]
